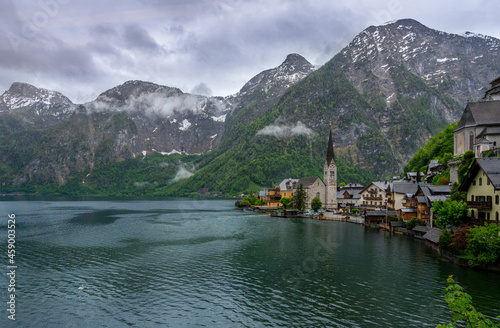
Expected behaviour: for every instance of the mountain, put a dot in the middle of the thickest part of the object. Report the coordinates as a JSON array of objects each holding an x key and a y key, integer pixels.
[
  {"x": 384, "y": 96},
  {"x": 48, "y": 139},
  {"x": 35, "y": 107}
]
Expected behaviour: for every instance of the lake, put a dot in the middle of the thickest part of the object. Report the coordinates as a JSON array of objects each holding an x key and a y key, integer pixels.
[{"x": 200, "y": 263}]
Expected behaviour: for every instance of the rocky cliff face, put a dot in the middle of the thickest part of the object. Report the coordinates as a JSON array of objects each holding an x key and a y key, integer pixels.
[
  {"x": 460, "y": 66},
  {"x": 392, "y": 88},
  {"x": 35, "y": 107},
  {"x": 55, "y": 137},
  {"x": 385, "y": 94}
]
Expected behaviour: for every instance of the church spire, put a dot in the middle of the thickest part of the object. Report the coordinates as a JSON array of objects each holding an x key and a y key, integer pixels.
[{"x": 330, "y": 155}]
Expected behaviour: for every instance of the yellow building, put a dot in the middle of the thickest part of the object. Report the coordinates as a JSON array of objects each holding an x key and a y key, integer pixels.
[{"x": 482, "y": 185}]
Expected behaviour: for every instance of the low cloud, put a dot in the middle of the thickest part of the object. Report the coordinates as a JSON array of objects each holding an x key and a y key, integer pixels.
[
  {"x": 183, "y": 172},
  {"x": 285, "y": 131},
  {"x": 160, "y": 104}
]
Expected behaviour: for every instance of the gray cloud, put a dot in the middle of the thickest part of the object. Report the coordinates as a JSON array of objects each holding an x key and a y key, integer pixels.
[
  {"x": 137, "y": 37},
  {"x": 83, "y": 48},
  {"x": 202, "y": 89}
]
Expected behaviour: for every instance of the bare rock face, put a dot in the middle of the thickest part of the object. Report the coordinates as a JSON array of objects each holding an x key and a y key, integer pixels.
[
  {"x": 133, "y": 119},
  {"x": 36, "y": 107}
]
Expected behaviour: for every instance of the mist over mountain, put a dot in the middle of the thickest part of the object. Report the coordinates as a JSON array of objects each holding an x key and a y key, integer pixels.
[{"x": 384, "y": 96}]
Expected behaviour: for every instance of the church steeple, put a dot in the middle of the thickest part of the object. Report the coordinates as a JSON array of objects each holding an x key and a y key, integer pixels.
[
  {"x": 330, "y": 155},
  {"x": 330, "y": 175}
]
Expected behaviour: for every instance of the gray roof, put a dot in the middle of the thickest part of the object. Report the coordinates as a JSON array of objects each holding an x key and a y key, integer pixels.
[
  {"x": 433, "y": 235},
  {"x": 380, "y": 184},
  {"x": 404, "y": 187},
  {"x": 490, "y": 130},
  {"x": 480, "y": 113},
  {"x": 380, "y": 213},
  {"x": 307, "y": 182},
  {"x": 352, "y": 186},
  {"x": 353, "y": 192},
  {"x": 283, "y": 184},
  {"x": 421, "y": 228},
  {"x": 490, "y": 166},
  {"x": 439, "y": 197},
  {"x": 422, "y": 199}
]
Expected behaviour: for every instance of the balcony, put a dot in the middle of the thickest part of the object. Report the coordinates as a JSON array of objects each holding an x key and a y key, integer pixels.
[
  {"x": 373, "y": 198},
  {"x": 480, "y": 205}
]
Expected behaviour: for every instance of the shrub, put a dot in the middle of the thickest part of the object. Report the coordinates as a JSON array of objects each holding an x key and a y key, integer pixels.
[
  {"x": 459, "y": 239},
  {"x": 413, "y": 223},
  {"x": 445, "y": 239},
  {"x": 483, "y": 243}
]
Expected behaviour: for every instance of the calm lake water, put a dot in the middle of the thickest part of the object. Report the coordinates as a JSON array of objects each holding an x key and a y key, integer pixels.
[{"x": 192, "y": 263}]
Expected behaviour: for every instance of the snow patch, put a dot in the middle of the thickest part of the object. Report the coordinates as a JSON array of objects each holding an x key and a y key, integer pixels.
[
  {"x": 185, "y": 125},
  {"x": 221, "y": 118},
  {"x": 444, "y": 60}
]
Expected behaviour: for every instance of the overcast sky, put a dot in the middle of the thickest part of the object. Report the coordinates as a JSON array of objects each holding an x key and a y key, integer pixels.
[{"x": 207, "y": 47}]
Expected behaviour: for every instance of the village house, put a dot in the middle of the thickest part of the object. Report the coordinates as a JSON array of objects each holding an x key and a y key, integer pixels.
[
  {"x": 349, "y": 198},
  {"x": 418, "y": 205},
  {"x": 283, "y": 189},
  {"x": 434, "y": 168},
  {"x": 263, "y": 194},
  {"x": 375, "y": 195},
  {"x": 413, "y": 177},
  {"x": 425, "y": 196},
  {"x": 287, "y": 186},
  {"x": 479, "y": 126},
  {"x": 399, "y": 192},
  {"x": 482, "y": 185},
  {"x": 273, "y": 197}
]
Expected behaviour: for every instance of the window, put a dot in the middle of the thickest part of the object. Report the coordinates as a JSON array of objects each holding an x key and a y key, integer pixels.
[
  {"x": 318, "y": 195},
  {"x": 472, "y": 198},
  {"x": 471, "y": 140},
  {"x": 496, "y": 216},
  {"x": 480, "y": 181},
  {"x": 474, "y": 182},
  {"x": 488, "y": 199},
  {"x": 472, "y": 213},
  {"x": 488, "y": 182},
  {"x": 496, "y": 199},
  {"x": 488, "y": 216},
  {"x": 332, "y": 173}
]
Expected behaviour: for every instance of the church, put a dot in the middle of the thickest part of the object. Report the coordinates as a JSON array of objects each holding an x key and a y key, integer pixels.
[{"x": 326, "y": 189}]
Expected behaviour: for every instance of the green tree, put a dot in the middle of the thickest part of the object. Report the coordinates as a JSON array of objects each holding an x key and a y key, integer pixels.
[
  {"x": 299, "y": 198},
  {"x": 483, "y": 243},
  {"x": 244, "y": 203},
  {"x": 449, "y": 212},
  {"x": 316, "y": 204},
  {"x": 342, "y": 184},
  {"x": 285, "y": 201},
  {"x": 462, "y": 310},
  {"x": 456, "y": 194}
]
